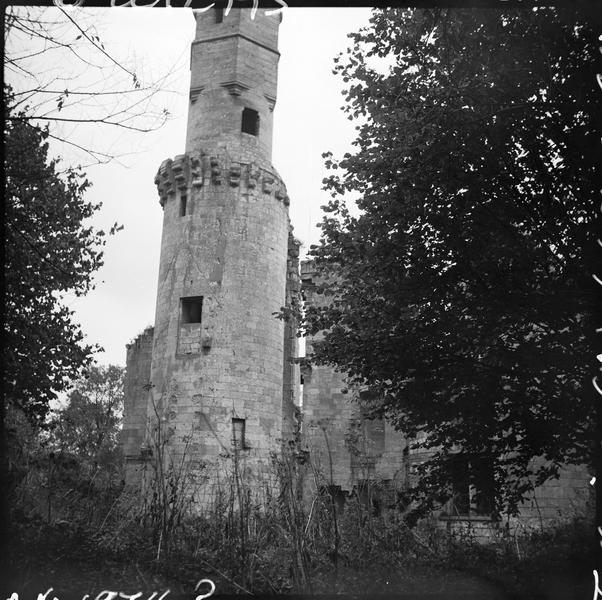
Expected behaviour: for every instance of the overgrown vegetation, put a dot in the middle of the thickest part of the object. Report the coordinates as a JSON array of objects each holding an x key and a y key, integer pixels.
[{"x": 84, "y": 531}]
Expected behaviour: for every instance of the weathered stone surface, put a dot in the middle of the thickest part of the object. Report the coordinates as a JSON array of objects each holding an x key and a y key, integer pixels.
[
  {"x": 235, "y": 62},
  {"x": 226, "y": 240},
  {"x": 133, "y": 434},
  {"x": 348, "y": 448}
]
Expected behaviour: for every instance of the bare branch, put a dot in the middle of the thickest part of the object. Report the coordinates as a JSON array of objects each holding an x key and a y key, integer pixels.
[
  {"x": 93, "y": 153},
  {"x": 101, "y": 49},
  {"x": 66, "y": 120},
  {"x": 77, "y": 95},
  {"x": 94, "y": 93}
]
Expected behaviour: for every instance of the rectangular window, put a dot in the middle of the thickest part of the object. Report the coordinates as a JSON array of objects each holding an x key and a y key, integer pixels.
[
  {"x": 189, "y": 330},
  {"x": 405, "y": 461},
  {"x": 238, "y": 434},
  {"x": 192, "y": 308},
  {"x": 183, "y": 202},
  {"x": 250, "y": 121},
  {"x": 374, "y": 435},
  {"x": 219, "y": 15},
  {"x": 483, "y": 498},
  {"x": 460, "y": 486},
  {"x": 473, "y": 486}
]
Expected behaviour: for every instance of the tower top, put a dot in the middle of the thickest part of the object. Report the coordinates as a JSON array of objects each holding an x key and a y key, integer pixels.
[
  {"x": 261, "y": 28},
  {"x": 234, "y": 69}
]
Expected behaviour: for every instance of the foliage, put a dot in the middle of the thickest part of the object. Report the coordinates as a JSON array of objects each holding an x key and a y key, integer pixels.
[
  {"x": 463, "y": 294},
  {"x": 73, "y": 526},
  {"x": 88, "y": 425},
  {"x": 53, "y": 486},
  {"x": 288, "y": 547},
  {"x": 50, "y": 251}
]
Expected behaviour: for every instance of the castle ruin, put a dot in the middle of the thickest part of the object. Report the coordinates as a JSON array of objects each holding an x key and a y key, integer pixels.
[{"x": 216, "y": 381}]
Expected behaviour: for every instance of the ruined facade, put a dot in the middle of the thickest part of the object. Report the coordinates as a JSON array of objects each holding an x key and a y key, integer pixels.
[
  {"x": 367, "y": 457},
  {"x": 215, "y": 385}
]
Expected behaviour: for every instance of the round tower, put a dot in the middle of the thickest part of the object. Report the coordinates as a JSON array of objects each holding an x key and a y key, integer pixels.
[{"x": 217, "y": 361}]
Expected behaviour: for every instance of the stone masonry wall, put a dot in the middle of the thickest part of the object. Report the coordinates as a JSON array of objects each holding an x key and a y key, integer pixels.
[
  {"x": 234, "y": 64},
  {"x": 230, "y": 248},
  {"x": 291, "y": 377},
  {"x": 347, "y": 448},
  {"x": 558, "y": 500},
  {"x": 137, "y": 377},
  {"x": 215, "y": 407}
]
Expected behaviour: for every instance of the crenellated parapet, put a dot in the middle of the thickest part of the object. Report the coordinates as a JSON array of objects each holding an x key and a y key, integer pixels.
[{"x": 193, "y": 171}]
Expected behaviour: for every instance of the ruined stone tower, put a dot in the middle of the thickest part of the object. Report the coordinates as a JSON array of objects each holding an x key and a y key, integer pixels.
[{"x": 220, "y": 391}]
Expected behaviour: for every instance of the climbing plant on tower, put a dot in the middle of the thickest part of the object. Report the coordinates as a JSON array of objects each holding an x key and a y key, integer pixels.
[{"x": 463, "y": 294}]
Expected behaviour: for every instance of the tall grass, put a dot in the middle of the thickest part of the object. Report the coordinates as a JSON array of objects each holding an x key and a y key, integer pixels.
[{"x": 291, "y": 535}]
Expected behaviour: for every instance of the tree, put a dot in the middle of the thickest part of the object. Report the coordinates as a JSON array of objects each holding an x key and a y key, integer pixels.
[
  {"x": 62, "y": 79},
  {"x": 463, "y": 293},
  {"x": 88, "y": 426},
  {"x": 50, "y": 251},
  {"x": 63, "y": 76}
]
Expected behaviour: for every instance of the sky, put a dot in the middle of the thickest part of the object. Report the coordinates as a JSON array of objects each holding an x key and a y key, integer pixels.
[{"x": 307, "y": 122}]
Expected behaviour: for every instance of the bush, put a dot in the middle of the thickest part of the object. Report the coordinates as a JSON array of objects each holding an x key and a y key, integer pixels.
[{"x": 248, "y": 541}]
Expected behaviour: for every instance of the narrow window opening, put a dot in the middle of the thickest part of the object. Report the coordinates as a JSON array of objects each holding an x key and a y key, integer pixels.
[
  {"x": 406, "y": 467},
  {"x": 219, "y": 15},
  {"x": 473, "y": 486},
  {"x": 250, "y": 121},
  {"x": 460, "y": 486},
  {"x": 483, "y": 501},
  {"x": 374, "y": 433},
  {"x": 238, "y": 434},
  {"x": 183, "y": 202},
  {"x": 192, "y": 309}
]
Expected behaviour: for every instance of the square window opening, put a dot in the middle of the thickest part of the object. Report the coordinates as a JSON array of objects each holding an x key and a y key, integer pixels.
[
  {"x": 238, "y": 434},
  {"x": 183, "y": 203},
  {"x": 250, "y": 121},
  {"x": 192, "y": 309}
]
